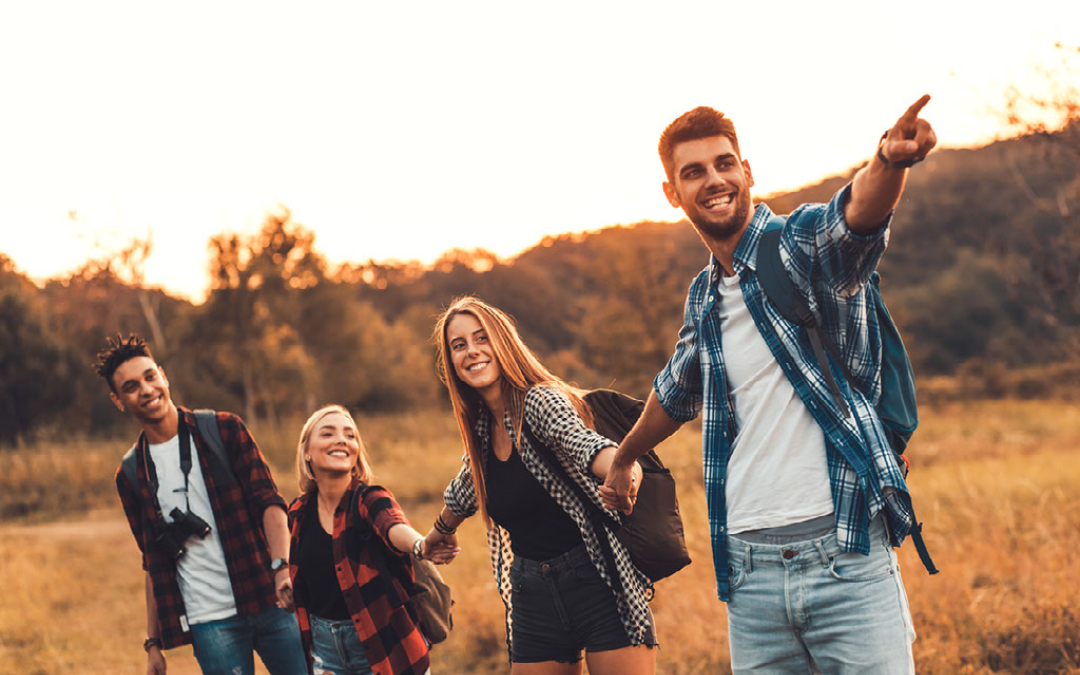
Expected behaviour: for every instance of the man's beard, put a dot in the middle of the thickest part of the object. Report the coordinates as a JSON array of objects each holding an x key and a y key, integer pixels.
[{"x": 729, "y": 227}]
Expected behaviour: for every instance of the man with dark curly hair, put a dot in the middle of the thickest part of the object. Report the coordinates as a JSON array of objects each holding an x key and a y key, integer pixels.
[{"x": 210, "y": 523}]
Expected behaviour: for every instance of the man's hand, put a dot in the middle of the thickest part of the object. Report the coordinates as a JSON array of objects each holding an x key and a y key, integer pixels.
[
  {"x": 911, "y": 138},
  {"x": 155, "y": 661},
  {"x": 440, "y": 548},
  {"x": 619, "y": 491},
  {"x": 283, "y": 589}
]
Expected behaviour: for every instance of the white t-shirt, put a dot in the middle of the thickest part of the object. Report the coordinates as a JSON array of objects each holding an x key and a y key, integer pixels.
[
  {"x": 778, "y": 473},
  {"x": 202, "y": 573}
]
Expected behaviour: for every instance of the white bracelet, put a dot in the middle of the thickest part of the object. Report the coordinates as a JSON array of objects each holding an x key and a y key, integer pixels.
[{"x": 416, "y": 549}]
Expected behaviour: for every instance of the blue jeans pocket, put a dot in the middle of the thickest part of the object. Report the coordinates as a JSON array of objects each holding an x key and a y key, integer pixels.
[
  {"x": 736, "y": 576},
  {"x": 856, "y": 567}
]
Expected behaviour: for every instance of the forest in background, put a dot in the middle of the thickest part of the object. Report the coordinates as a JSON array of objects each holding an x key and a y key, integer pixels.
[{"x": 981, "y": 274}]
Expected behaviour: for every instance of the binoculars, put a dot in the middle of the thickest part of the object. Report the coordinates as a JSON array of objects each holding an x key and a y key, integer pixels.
[{"x": 170, "y": 537}]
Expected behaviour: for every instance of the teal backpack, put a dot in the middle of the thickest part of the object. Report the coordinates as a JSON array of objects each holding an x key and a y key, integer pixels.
[{"x": 896, "y": 408}]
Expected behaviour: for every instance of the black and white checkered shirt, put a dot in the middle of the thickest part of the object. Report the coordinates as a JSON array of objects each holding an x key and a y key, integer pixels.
[{"x": 556, "y": 423}]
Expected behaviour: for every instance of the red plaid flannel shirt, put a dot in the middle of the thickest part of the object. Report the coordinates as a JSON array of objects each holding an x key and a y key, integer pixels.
[
  {"x": 393, "y": 643},
  {"x": 238, "y": 511}
]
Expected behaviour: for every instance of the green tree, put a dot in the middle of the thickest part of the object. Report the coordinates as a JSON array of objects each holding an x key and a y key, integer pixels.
[{"x": 247, "y": 328}]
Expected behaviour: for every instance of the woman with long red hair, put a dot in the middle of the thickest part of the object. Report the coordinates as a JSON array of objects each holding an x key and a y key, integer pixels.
[{"x": 567, "y": 587}]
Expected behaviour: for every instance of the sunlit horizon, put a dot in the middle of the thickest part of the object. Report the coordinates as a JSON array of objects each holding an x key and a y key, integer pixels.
[{"x": 401, "y": 133}]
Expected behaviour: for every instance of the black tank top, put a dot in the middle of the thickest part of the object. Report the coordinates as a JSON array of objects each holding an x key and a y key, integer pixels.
[
  {"x": 316, "y": 565},
  {"x": 539, "y": 528}
]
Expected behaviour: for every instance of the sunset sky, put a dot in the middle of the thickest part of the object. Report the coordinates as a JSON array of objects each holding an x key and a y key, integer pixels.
[{"x": 400, "y": 130}]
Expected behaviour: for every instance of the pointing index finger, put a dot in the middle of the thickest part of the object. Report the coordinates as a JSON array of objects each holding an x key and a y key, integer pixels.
[{"x": 912, "y": 113}]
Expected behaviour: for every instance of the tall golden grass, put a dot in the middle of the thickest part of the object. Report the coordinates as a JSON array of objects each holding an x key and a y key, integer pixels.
[{"x": 993, "y": 481}]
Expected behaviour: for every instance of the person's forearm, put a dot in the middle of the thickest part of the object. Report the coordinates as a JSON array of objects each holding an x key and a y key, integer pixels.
[
  {"x": 151, "y": 610},
  {"x": 877, "y": 187},
  {"x": 276, "y": 529},
  {"x": 450, "y": 519},
  {"x": 602, "y": 462},
  {"x": 402, "y": 537},
  {"x": 875, "y": 192},
  {"x": 652, "y": 428}
]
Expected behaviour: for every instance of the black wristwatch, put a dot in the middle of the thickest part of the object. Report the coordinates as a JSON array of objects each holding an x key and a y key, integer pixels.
[
  {"x": 277, "y": 564},
  {"x": 151, "y": 642}
]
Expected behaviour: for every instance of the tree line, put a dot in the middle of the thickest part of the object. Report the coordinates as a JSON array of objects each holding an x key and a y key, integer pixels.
[{"x": 982, "y": 268}]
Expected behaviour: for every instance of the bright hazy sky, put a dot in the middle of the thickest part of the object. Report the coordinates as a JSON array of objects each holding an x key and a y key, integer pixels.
[{"x": 403, "y": 129}]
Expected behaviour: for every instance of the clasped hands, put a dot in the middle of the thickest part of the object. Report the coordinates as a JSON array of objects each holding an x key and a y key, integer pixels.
[
  {"x": 620, "y": 489},
  {"x": 439, "y": 548}
]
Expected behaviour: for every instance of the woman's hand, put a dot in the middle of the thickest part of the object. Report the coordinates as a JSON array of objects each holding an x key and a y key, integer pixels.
[
  {"x": 620, "y": 488},
  {"x": 283, "y": 589},
  {"x": 439, "y": 548}
]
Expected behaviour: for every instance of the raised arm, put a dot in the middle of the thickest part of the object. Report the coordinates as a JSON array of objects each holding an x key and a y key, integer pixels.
[{"x": 877, "y": 187}]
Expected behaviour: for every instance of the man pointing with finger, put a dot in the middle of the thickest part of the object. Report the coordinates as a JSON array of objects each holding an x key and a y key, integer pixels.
[{"x": 805, "y": 498}]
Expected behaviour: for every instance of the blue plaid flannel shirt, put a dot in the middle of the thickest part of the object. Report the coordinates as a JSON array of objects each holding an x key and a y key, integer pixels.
[{"x": 821, "y": 254}]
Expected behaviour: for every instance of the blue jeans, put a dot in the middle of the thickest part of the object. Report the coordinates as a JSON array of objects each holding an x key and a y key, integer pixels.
[
  {"x": 225, "y": 646},
  {"x": 807, "y": 607},
  {"x": 336, "y": 648}
]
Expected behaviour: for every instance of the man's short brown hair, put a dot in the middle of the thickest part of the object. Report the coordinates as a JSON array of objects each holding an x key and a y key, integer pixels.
[{"x": 701, "y": 122}]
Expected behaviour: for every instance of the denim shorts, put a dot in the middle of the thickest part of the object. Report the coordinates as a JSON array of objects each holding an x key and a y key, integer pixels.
[
  {"x": 336, "y": 648},
  {"x": 808, "y": 606},
  {"x": 562, "y": 606}
]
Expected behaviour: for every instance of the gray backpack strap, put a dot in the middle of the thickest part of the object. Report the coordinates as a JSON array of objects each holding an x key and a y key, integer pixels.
[{"x": 220, "y": 466}]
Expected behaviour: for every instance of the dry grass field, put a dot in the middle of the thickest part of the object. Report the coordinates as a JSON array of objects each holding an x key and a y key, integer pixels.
[{"x": 995, "y": 483}]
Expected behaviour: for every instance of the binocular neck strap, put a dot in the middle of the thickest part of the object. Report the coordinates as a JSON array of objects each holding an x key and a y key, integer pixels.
[{"x": 185, "y": 467}]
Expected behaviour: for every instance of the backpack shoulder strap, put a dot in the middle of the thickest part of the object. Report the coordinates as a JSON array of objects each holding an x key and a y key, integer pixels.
[
  {"x": 781, "y": 291},
  {"x": 220, "y": 466},
  {"x": 128, "y": 467},
  {"x": 774, "y": 278}
]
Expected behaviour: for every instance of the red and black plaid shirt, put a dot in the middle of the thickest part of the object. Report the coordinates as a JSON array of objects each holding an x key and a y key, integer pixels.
[
  {"x": 238, "y": 511},
  {"x": 393, "y": 643}
]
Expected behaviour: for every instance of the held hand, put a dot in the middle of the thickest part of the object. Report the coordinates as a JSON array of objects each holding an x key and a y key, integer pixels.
[
  {"x": 619, "y": 491},
  {"x": 155, "y": 661},
  {"x": 911, "y": 138},
  {"x": 439, "y": 548},
  {"x": 283, "y": 589}
]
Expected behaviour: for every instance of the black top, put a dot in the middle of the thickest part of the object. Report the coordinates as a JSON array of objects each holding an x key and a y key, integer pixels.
[
  {"x": 539, "y": 528},
  {"x": 317, "y": 572}
]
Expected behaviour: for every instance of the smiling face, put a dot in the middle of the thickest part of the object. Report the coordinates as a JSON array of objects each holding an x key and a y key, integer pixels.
[
  {"x": 143, "y": 390},
  {"x": 334, "y": 446},
  {"x": 472, "y": 354},
  {"x": 712, "y": 186}
]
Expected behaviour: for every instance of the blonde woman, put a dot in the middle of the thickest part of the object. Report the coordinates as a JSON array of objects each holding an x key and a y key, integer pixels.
[
  {"x": 566, "y": 586},
  {"x": 344, "y": 531}
]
